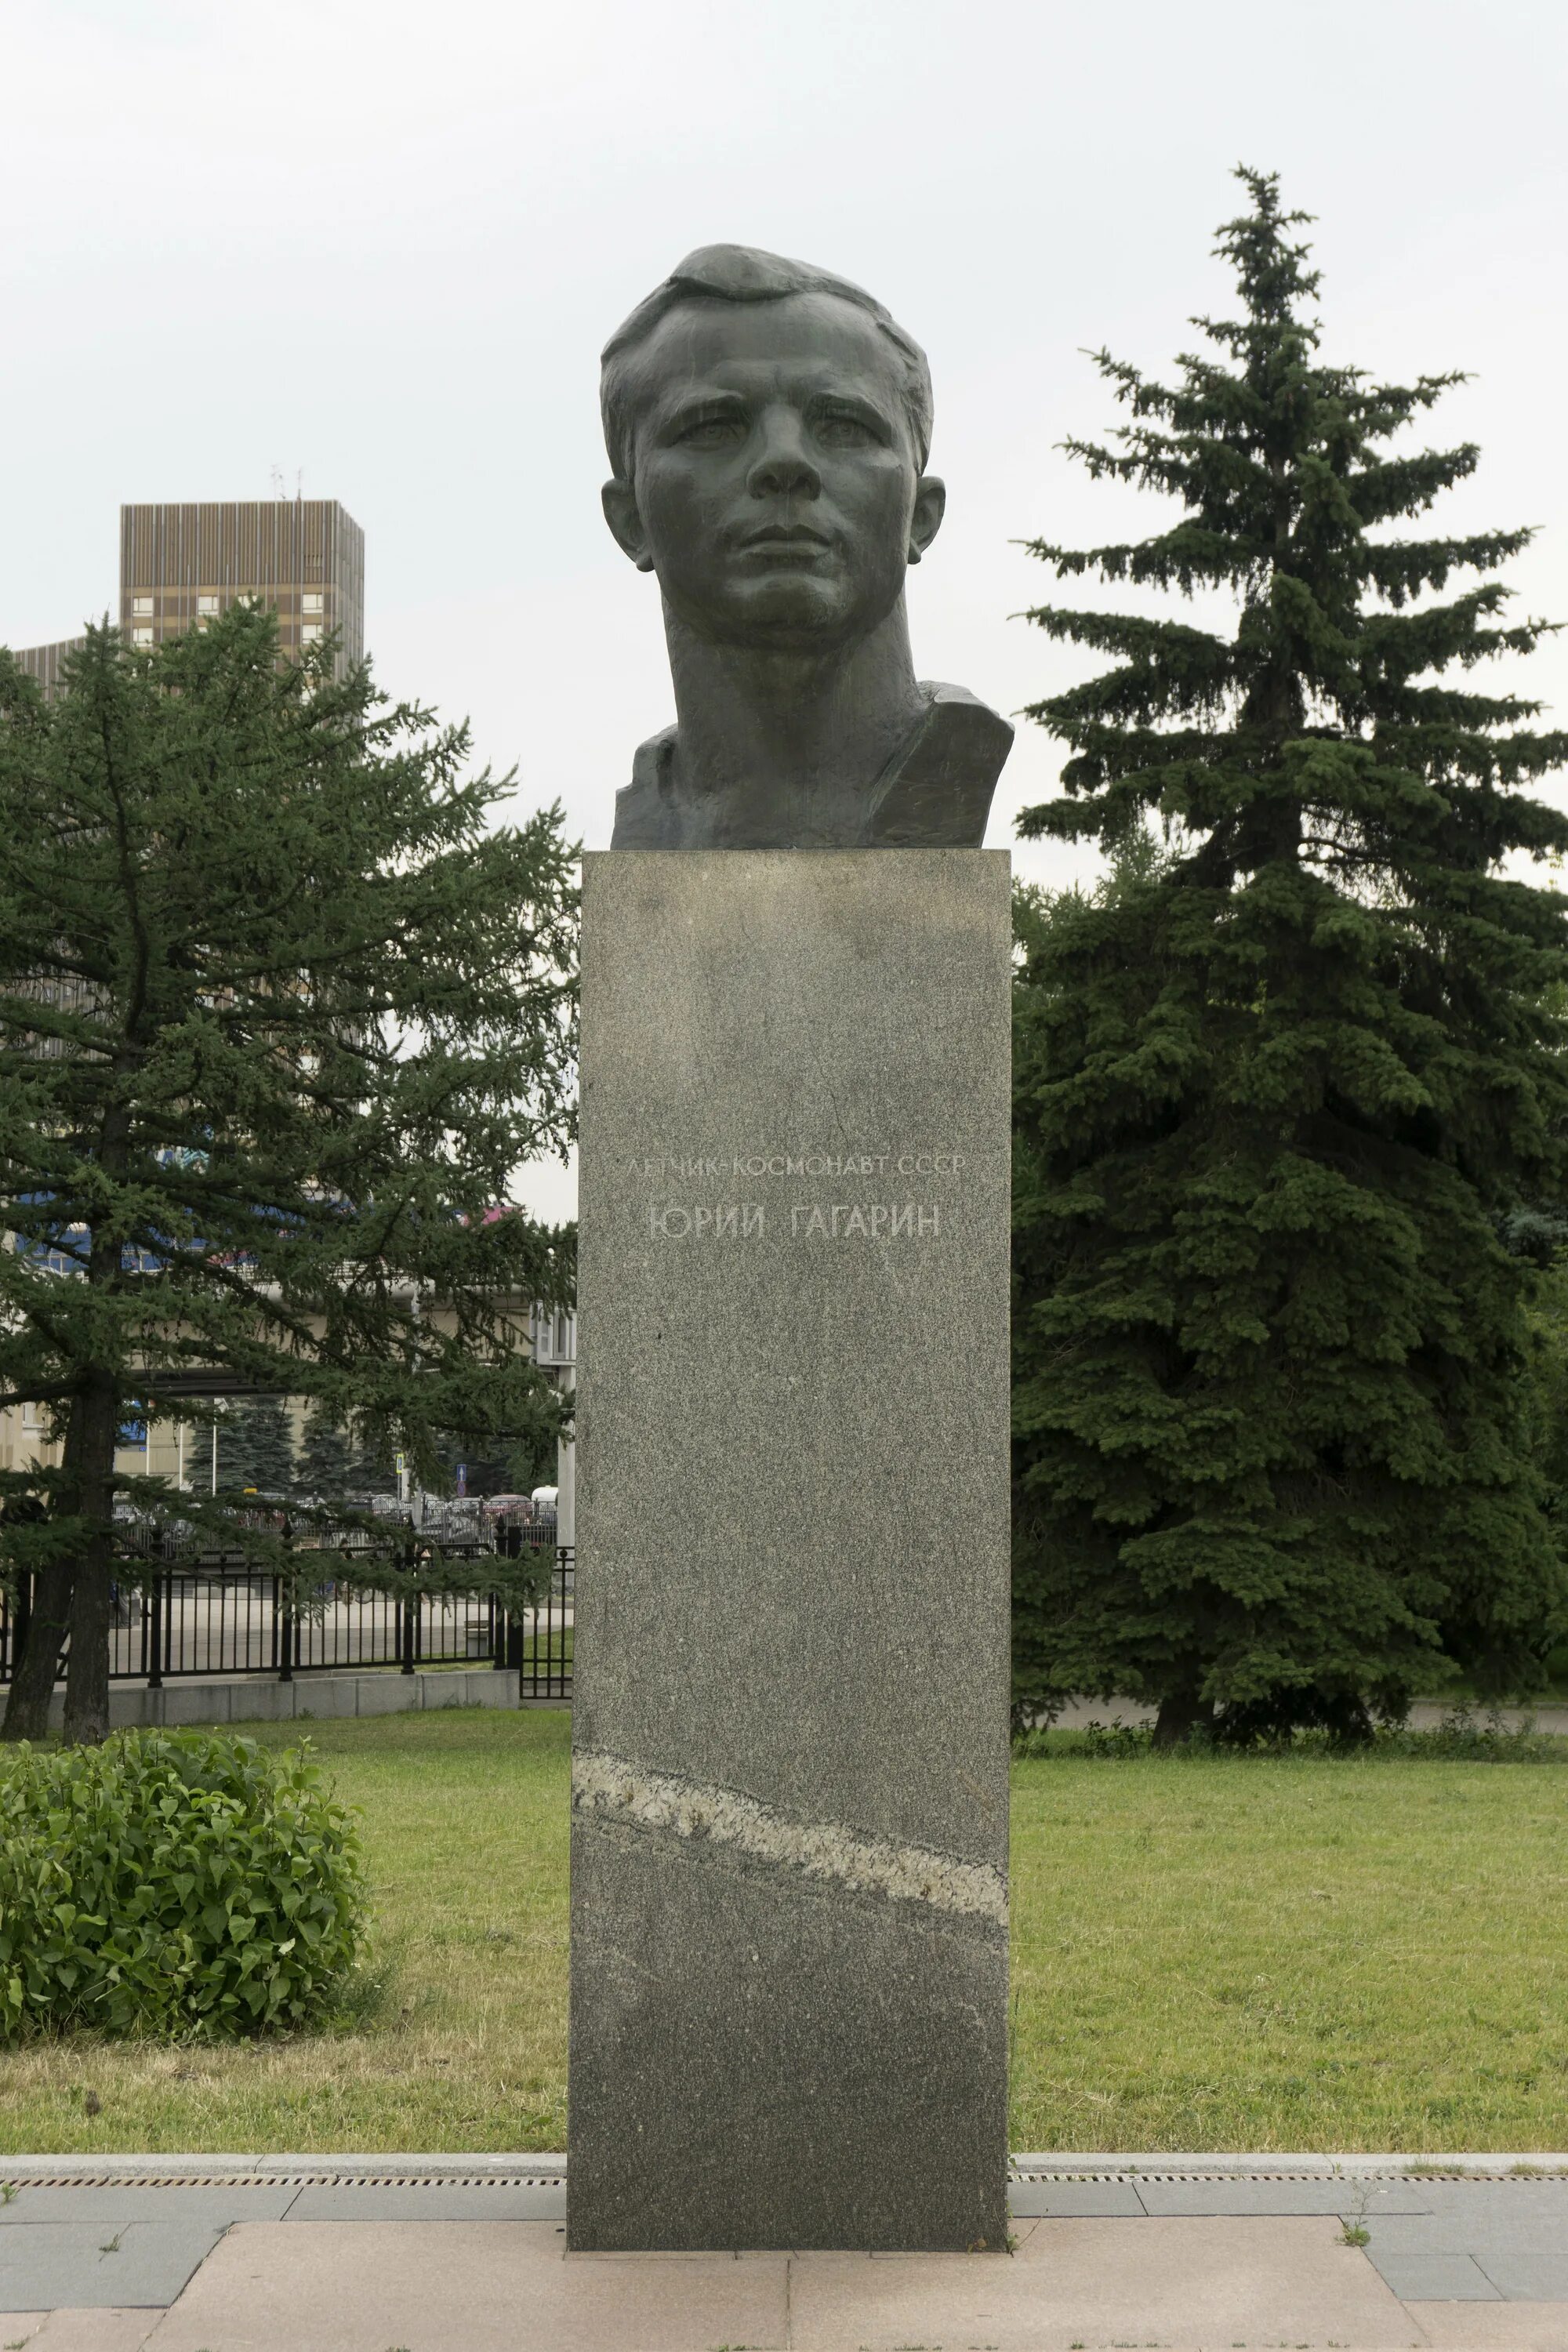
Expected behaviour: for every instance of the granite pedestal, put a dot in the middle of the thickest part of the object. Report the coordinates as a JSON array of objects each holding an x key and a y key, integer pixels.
[{"x": 789, "y": 1958}]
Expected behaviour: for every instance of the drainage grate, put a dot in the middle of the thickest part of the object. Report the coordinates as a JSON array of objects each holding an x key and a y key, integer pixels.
[
  {"x": 287, "y": 2180},
  {"x": 545, "y": 2178},
  {"x": 1231, "y": 2179}
]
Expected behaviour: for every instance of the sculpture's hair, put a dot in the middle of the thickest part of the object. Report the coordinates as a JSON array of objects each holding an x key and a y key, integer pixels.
[{"x": 739, "y": 273}]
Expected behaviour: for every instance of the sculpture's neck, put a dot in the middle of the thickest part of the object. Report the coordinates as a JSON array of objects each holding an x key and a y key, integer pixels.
[{"x": 786, "y": 737}]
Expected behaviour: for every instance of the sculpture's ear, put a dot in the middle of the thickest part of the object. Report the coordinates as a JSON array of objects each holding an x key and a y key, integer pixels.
[
  {"x": 621, "y": 514},
  {"x": 930, "y": 505},
  {"x": 928, "y": 509}
]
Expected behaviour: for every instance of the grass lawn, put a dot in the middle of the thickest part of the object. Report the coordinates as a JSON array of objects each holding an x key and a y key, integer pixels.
[
  {"x": 1307, "y": 1954},
  {"x": 1207, "y": 1954}
]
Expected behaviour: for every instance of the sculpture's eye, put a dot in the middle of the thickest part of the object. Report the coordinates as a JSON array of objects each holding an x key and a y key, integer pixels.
[
  {"x": 840, "y": 428},
  {"x": 711, "y": 432}
]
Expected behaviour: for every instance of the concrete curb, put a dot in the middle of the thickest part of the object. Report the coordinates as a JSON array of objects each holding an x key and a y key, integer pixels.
[
  {"x": 282, "y": 2167},
  {"x": 535, "y": 2166},
  {"x": 1272, "y": 2168}
]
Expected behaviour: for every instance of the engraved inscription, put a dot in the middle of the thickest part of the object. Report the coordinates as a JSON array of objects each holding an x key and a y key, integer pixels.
[
  {"x": 696, "y": 1167},
  {"x": 872, "y": 1220},
  {"x": 707, "y": 1220},
  {"x": 887, "y": 1213}
]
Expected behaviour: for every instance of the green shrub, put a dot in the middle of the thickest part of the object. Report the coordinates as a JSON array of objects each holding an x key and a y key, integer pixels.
[
  {"x": 1457, "y": 1739},
  {"x": 178, "y": 1883},
  {"x": 1461, "y": 1740},
  {"x": 1116, "y": 1740}
]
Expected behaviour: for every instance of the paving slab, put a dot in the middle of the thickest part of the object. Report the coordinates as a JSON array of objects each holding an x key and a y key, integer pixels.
[
  {"x": 359, "y": 2267},
  {"x": 1435, "y": 2278},
  {"x": 1239, "y": 2196},
  {"x": 462, "y": 2202},
  {"x": 1529, "y": 2216},
  {"x": 1499, "y": 2235},
  {"x": 465, "y": 2287},
  {"x": 1520, "y": 2231},
  {"x": 1207, "y": 2281},
  {"x": 1494, "y": 2327},
  {"x": 93, "y": 2331},
  {"x": 212, "y": 2209},
  {"x": 49, "y": 2265},
  {"x": 1529, "y": 2278}
]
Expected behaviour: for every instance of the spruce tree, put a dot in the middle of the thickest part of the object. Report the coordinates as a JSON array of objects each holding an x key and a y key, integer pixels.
[
  {"x": 325, "y": 1466},
  {"x": 1278, "y": 1081},
  {"x": 283, "y": 1007},
  {"x": 256, "y": 1448},
  {"x": 370, "y": 1466}
]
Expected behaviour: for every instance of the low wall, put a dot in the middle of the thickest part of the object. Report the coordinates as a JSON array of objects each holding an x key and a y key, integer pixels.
[{"x": 258, "y": 1699}]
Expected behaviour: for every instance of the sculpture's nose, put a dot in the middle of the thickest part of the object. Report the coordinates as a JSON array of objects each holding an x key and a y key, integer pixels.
[{"x": 782, "y": 465}]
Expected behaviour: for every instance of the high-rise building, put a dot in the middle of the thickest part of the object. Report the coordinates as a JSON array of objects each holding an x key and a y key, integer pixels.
[
  {"x": 43, "y": 662},
  {"x": 181, "y": 565}
]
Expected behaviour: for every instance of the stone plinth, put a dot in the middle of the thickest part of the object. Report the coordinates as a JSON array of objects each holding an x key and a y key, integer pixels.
[{"x": 789, "y": 1962}]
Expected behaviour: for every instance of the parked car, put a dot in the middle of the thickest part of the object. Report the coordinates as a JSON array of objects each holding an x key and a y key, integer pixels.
[{"x": 507, "y": 1506}]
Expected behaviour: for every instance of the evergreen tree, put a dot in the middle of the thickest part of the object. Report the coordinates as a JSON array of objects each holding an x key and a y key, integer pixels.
[
  {"x": 325, "y": 1466},
  {"x": 1278, "y": 1083},
  {"x": 371, "y": 1470},
  {"x": 256, "y": 1447},
  {"x": 280, "y": 1011}
]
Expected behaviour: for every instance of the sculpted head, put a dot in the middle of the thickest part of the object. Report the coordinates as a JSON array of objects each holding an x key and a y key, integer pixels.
[{"x": 768, "y": 425}]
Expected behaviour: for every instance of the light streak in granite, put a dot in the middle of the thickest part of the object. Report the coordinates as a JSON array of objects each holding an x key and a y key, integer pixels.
[{"x": 612, "y": 1790}]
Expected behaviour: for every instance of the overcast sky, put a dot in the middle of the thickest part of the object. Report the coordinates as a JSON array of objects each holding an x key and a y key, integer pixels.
[{"x": 378, "y": 246}]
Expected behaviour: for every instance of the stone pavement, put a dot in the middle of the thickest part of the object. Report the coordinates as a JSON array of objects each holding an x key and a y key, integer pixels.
[{"x": 466, "y": 2254}]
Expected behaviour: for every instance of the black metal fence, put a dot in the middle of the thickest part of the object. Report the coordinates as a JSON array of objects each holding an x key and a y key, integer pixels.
[{"x": 208, "y": 1614}]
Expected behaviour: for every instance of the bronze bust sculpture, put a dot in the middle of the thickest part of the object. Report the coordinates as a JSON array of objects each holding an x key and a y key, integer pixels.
[{"x": 769, "y": 425}]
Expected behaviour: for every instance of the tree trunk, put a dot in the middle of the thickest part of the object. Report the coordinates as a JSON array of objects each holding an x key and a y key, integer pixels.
[
  {"x": 34, "y": 1672},
  {"x": 1180, "y": 1711},
  {"x": 35, "y": 1668},
  {"x": 87, "y": 1668}
]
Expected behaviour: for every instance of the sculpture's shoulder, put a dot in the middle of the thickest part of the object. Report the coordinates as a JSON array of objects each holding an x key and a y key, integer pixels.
[
  {"x": 647, "y": 816},
  {"x": 936, "y": 792}
]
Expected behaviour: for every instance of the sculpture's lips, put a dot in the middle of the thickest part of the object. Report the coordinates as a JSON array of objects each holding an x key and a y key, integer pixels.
[{"x": 776, "y": 534}]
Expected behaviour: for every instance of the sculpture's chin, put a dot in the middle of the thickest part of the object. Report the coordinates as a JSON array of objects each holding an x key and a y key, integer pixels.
[{"x": 789, "y": 612}]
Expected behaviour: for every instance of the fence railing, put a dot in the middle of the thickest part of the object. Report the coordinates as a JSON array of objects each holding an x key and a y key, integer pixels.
[{"x": 207, "y": 1614}]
